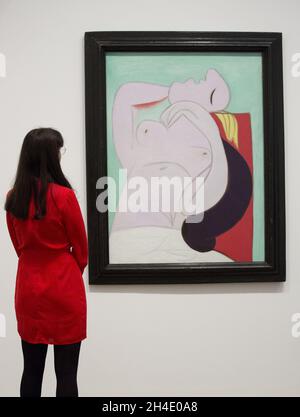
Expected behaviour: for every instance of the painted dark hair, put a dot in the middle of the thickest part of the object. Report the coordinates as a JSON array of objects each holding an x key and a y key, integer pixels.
[
  {"x": 39, "y": 160},
  {"x": 228, "y": 211}
]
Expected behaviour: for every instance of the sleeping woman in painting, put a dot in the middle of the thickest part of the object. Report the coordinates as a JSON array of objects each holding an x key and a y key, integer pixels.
[{"x": 194, "y": 137}]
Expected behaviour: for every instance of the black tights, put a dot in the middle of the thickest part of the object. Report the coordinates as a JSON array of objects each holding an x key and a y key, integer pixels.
[{"x": 65, "y": 363}]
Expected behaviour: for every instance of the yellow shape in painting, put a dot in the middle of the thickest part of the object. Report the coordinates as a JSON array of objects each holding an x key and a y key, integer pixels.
[{"x": 230, "y": 126}]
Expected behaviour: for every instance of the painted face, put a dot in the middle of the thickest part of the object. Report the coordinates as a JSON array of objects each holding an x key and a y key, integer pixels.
[
  {"x": 181, "y": 148},
  {"x": 212, "y": 93},
  {"x": 185, "y": 143}
]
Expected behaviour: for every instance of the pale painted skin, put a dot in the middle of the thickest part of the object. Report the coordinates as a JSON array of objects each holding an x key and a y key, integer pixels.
[{"x": 175, "y": 146}]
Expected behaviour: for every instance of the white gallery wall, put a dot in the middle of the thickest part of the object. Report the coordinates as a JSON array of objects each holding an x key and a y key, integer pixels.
[{"x": 165, "y": 340}]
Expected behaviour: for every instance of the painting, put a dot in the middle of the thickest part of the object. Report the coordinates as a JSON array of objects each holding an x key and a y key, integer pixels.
[{"x": 180, "y": 139}]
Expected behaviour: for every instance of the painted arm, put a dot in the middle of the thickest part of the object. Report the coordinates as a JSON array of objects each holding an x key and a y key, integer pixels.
[{"x": 129, "y": 99}]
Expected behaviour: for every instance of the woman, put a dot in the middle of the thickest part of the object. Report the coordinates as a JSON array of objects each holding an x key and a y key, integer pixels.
[{"x": 48, "y": 233}]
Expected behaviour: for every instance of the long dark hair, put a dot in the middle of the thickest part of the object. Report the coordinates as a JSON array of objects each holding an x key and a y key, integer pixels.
[
  {"x": 39, "y": 160},
  {"x": 201, "y": 236}
]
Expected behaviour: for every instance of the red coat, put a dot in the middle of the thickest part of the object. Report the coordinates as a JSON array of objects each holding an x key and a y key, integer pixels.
[{"x": 50, "y": 299}]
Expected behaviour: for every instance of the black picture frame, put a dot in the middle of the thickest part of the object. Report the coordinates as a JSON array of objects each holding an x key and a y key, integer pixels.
[{"x": 270, "y": 45}]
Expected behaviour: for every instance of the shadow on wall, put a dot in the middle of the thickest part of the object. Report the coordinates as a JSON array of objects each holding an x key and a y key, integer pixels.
[{"x": 211, "y": 288}]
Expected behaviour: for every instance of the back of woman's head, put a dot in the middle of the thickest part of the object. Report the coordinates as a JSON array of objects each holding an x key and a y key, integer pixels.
[{"x": 39, "y": 160}]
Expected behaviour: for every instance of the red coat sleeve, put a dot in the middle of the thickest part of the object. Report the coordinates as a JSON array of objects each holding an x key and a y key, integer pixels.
[
  {"x": 75, "y": 228},
  {"x": 12, "y": 232}
]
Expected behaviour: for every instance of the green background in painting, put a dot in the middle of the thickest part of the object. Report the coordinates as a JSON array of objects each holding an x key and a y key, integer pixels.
[{"x": 243, "y": 74}]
